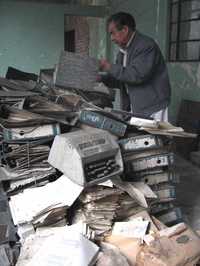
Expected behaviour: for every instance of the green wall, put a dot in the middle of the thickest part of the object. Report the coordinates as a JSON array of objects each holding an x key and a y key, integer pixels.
[
  {"x": 32, "y": 35},
  {"x": 152, "y": 19}
]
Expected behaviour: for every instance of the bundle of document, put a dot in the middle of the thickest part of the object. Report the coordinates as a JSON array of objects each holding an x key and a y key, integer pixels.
[{"x": 97, "y": 208}]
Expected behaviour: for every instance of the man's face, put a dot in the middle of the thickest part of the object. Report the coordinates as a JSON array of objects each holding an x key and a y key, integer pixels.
[{"x": 120, "y": 37}]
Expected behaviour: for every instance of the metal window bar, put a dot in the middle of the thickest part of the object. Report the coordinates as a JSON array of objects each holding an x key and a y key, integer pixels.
[
  {"x": 178, "y": 31},
  {"x": 178, "y": 41},
  {"x": 182, "y": 41},
  {"x": 185, "y": 20},
  {"x": 170, "y": 30}
]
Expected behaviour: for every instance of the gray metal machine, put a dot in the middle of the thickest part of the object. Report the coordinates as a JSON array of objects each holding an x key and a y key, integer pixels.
[{"x": 86, "y": 157}]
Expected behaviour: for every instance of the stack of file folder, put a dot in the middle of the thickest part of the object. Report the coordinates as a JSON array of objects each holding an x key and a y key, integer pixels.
[
  {"x": 148, "y": 159},
  {"x": 24, "y": 164}
]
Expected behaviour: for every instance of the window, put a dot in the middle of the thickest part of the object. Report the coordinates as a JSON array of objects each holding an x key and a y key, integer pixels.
[{"x": 184, "y": 35}]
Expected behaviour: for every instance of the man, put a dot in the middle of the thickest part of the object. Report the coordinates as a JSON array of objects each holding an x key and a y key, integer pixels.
[{"x": 140, "y": 71}]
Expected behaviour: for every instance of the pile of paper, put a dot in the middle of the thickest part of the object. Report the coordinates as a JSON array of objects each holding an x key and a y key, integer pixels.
[
  {"x": 97, "y": 208},
  {"x": 32, "y": 112},
  {"x": 45, "y": 205},
  {"x": 100, "y": 206}
]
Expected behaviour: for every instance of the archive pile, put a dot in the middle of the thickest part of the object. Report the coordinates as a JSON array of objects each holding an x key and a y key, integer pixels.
[
  {"x": 88, "y": 172},
  {"x": 148, "y": 159}
]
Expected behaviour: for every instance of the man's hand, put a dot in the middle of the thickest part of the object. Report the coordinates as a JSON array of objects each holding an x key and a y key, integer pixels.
[{"x": 104, "y": 65}]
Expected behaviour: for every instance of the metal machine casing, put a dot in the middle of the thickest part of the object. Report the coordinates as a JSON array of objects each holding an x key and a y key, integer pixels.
[{"x": 86, "y": 156}]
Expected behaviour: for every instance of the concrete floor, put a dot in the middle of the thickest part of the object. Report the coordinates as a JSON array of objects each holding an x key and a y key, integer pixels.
[{"x": 188, "y": 191}]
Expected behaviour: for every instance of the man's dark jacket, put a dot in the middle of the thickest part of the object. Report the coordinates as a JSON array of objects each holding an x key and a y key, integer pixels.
[{"x": 145, "y": 76}]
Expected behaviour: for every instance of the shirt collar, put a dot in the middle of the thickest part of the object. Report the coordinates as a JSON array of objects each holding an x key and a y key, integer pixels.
[{"x": 128, "y": 43}]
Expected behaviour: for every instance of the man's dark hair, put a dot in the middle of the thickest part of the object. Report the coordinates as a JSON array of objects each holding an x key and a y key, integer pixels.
[{"x": 122, "y": 19}]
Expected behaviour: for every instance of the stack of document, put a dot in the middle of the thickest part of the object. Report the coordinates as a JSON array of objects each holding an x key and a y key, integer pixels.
[
  {"x": 101, "y": 206},
  {"x": 127, "y": 207},
  {"x": 98, "y": 207},
  {"x": 44, "y": 205}
]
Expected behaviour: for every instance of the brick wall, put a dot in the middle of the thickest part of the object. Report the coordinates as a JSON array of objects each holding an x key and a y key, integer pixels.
[{"x": 81, "y": 27}]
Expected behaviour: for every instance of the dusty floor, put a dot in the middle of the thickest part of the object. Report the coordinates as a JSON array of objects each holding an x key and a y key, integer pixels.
[{"x": 188, "y": 191}]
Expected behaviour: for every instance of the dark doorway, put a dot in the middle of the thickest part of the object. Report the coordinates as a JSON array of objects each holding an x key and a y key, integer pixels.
[{"x": 70, "y": 41}]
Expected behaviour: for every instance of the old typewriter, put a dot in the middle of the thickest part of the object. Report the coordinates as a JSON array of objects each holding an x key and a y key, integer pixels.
[{"x": 86, "y": 156}]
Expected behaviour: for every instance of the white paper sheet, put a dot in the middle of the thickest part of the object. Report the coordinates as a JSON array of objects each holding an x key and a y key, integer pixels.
[
  {"x": 145, "y": 189},
  {"x": 141, "y": 122},
  {"x": 65, "y": 249},
  {"x": 136, "y": 228},
  {"x": 62, "y": 192}
]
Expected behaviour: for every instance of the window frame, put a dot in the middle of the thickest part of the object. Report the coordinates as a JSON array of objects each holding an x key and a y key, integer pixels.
[{"x": 177, "y": 42}]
